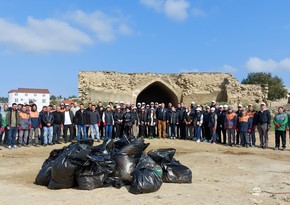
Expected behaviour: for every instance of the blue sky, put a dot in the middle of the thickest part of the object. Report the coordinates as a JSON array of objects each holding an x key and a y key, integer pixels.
[{"x": 44, "y": 44}]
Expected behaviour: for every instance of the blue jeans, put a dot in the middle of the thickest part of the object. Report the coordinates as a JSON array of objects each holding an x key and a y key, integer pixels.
[
  {"x": 80, "y": 128},
  {"x": 108, "y": 131},
  {"x": 95, "y": 128},
  {"x": 12, "y": 136},
  {"x": 47, "y": 135},
  {"x": 197, "y": 132}
]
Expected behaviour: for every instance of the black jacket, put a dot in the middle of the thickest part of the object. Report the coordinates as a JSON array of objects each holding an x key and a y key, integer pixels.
[
  {"x": 47, "y": 118},
  {"x": 82, "y": 117},
  {"x": 94, "y": 117},
  {"x": 128, "y": 119},
  {"x": 264, "y": 117},
  {"x": 172, "y": 118},
  {"x": 162, "y": 114},
  {"x": 58, "y": 118}
]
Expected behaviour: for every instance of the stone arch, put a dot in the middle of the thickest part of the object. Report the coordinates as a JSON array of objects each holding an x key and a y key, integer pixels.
[{"x": 157, "y": 91}]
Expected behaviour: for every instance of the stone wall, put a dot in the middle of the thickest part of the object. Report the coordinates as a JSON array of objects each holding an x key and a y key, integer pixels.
[{"x": 187, "y": 87}]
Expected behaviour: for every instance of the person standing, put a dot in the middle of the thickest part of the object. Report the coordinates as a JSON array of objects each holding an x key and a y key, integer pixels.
[
  {"x": 244, "y": 127},
  {"x": 135, "y": 128},
  {"x": 68, "y": 119},
  {"x": 220, "y": 123},
  {"x": 142, "y": 117},
  {"x": 74, "y": 109},
  {"x": 47, "y": 121},
  {"x": 57, "y": 124},
  {"x": 281, "y": 123},
  {"x": 108, "y": 120},
  {"x": 162, "y": 121},
  {"x": 118, "y": 119},
  {"x": 24, "y": 126},
  {"x": 35, "y": 123},
  {"x": 230, "y": 126},
  {"x": 151, "y": 122},
  {"x": 212, "y": 124},
  {"x": 12, "y": 122},
  {"x": 128, "y": 122},
  {"x": 264, "y": 125},
  {"x": 81, "y": 121},
  {"x": 188, "y": 121},
  {"x": 239, "y": 114},
  {"x": 95, "y": 122},
  {"x": 253, "y": 115},
  {"x": 101, "y": 127},
  {"x": 198, "y": 121},
  {"x": 4, "y": 130},
  {"x": 172, "y": 122}
]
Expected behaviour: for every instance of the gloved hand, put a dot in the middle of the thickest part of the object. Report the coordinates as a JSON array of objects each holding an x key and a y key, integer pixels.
[
  {"x": 213, "y": 129},
  {"x": 40, "y": 126},
  {"x": 29, "y": 127},
  {"x": 287, "y": 128},
  {"x": 104, "y": 123},
  {"x": 2, "y": 129},
  {"x": 255, "y": 127},
  {"x": 19, "y": 128},
  {"x": 249, "y": 130},
  {"x": 235, "y": 128},
  {"x": 278, "y": 125},
  {"x": 99, "y": 124}
]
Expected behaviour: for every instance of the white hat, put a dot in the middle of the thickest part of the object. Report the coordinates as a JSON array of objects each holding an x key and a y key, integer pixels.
[
  {"x": 118, "y": 107},
  {"x": 262, "y": 103},
  {"x": 226, "y": 106},
  {"x": 116, "y": 102},
  {"x": 240, "y": 105},
  {"x": 152, "y": 103},
  {"x": 213, "y": 101},
  {"x": 207, "y": 107},
  {"x": 212, "y": 108},
  {"x": 121, "y": 102},
  {"x": 108, "y": 106},
  {"x": 198, "y": 105},
  {"x": 198, "y": 109},
  {"x": 134, "y": 108},
  {"x": 221, "y": 106},
  {"x": 143, "y": 103},
  {"x": 192, "y": 103},
  {"x": 138, "y": 103}
]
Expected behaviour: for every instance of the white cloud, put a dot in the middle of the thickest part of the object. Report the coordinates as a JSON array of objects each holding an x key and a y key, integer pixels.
[
  {"x": 197, "y": 12},
  {"x": 42, "y": 35},
  {"x": 255, "y": 64},
  {"x": 66, "y": 34},
  {"x": 189, "y": 70},
  {"x": 178, "y": 10},
  {"x": 105, "y": 27}
]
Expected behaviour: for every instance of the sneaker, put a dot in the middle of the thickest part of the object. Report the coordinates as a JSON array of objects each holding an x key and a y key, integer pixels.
[
  {"x": 283, "y": 149},
  {"x": 9, "y": 147},
  {"x": 44, "y": 145},
  {"x": 198, "y": 141},
  {"x": 174, "y": 138},
  {"x": 171, "y": 138},
  {"x": 14, "y": 146},
  {"x": 205, "y": 141},
  {"x": 276, "y": 148}
]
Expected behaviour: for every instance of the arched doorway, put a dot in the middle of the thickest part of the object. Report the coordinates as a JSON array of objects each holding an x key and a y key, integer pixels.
[{"x": 157, "y": 92}]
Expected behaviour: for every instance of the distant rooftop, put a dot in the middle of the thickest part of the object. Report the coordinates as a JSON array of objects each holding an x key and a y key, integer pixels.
[{"x": 30, "y": 90}]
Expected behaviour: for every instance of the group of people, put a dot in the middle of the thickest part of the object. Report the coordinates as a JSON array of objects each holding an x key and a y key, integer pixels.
[{"x": 23, "y": 125}]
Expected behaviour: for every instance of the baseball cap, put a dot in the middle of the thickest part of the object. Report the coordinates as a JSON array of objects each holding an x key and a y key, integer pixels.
[
  {"x": 262, "y": 103},
  {"x": 226, "y": 106},
  {"x": 212, "y": 108}
]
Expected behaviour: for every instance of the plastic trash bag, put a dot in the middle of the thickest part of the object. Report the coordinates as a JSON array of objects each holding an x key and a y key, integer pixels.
[
  {"x": 147, "y": 162},
  {"x": 44, "y": 175},
  {"x": 162, "y": 155},
  {"x": 145, "y": 181},
  {"x": 65, "y": 166},
  {"x": 95, "y": 175},
  {"x": 134, "y": 148},
  {"x": 175, "y": 172},
  {"x": 125, "y": 165}
]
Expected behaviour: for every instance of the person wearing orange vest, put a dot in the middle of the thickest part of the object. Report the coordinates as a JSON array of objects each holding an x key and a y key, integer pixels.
[
  {"x": 253, "y": 115},
  {"x": 35, "y": 124},
  {"x": 24, "y": 126},
  {"x": 244, "y": 127},
  {"x": 231, "y": 125}
]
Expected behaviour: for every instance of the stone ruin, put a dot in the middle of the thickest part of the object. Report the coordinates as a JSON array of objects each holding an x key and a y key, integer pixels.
[{"x": 201, "y": 87}]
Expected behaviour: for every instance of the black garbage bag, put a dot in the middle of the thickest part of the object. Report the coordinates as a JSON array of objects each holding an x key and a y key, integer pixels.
[
  {"x": 44, "y": 175},
  {"x": 145, "y": 181},
  {"x": 125, "y": 165},
  {"x": 134, "y": 148},
  {"x": 116, "y": 182},
  {"x": 147, "y": 162},
  {"x": 65, "y": 166},
  {"x": 175, "y": 172},
  {"x": 88, "y": 141},
  {"x": 95, "y": 174},
  {"x": 162, "y": 155}
]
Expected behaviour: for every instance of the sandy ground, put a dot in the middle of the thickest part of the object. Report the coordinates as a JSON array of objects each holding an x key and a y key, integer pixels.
[{"x": 221, "y": 175}]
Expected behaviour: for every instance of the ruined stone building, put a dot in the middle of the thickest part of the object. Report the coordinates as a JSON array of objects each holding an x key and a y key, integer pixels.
[{"x": 182, "y": 87}]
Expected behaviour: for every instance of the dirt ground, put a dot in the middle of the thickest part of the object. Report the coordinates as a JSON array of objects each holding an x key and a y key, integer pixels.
[{"x": 221, "y": 175}]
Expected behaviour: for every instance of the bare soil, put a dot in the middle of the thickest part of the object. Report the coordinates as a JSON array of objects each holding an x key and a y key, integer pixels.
[{"x": 221, "y": 175}]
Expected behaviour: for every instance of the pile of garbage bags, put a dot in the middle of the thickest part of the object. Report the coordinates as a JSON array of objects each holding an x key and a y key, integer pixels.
[{"x": 114, "y": 163}]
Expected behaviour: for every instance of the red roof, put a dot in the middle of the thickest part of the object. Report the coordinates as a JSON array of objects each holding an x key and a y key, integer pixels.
[
  {"x": 68, "y": 102},
  {"x": 30, "y": 90}
]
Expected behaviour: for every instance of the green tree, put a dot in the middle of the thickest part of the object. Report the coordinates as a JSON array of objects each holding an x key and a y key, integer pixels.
[
  {"x": 276, "y": 85},
  {"x": 52, "y": 97}
]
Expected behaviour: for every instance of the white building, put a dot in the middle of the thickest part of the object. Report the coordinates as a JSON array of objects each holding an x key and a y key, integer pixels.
[
  {"x": 288, "y": 96},
  {"x": 40, "y": 97}
]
